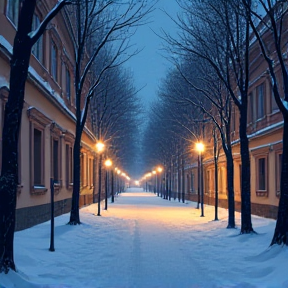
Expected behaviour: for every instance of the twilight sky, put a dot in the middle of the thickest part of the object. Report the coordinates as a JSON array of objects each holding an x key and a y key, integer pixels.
[{"x": 149, "y": 67}]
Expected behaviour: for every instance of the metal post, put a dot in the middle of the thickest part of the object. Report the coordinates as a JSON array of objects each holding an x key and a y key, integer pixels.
[
  {"x": 201, "y": 186},
  {"x": 52, "y": 249},
  {"x": 99, "y": 182},
  {"x": 106, "y": 190},
  {"x": 112, "y": 186}
]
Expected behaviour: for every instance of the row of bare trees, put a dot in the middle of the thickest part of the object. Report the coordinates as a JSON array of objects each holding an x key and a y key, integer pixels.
[
  {"x": 211, "y": 76},
  {"x": 102, "y": 30}
]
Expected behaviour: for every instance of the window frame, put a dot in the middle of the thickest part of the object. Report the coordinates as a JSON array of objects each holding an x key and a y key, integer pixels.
[
  {"x": 14, "y": 15},
  {"x": 258, "y": 154},
  {"x": 54, "y": 64},
  {"x": 38, "y": 121},
  {"x": 260, "y": 87},
  {"x": 38, "y": 47}
]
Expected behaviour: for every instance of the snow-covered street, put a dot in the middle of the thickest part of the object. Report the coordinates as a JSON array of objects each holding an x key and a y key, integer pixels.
[{"x": 143, "y": 241}]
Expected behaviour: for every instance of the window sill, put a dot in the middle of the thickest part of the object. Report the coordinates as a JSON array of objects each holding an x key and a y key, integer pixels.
[
  {"x": 38, "y": 190},
  {"x": 262, "y": 193}
]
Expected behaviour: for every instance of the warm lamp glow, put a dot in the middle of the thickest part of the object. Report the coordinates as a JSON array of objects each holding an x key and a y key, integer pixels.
[
  {"x": 154, "y": 172},
  {"x": 108, "y": 163},
  {"x": 200, "y": 147},
  {"x": 159, "y": 169},
  {"x": 100, "y": 147}
]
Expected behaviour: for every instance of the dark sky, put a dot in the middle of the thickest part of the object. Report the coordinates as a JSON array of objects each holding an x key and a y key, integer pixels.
[{"x": 149, "y": 67}]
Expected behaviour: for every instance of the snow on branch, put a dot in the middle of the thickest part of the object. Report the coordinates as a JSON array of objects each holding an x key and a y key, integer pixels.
[{"x": 35, "y": 35}]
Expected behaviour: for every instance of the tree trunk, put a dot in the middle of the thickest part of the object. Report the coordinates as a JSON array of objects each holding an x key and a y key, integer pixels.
[
  {"x": 216, "y": 185},
  {"x": 178, "y": 178},
  {"x": 246, "y": 223},
  {"x": 12, "y": 120},
  {"x": 230, "y": 184},
  {"x": 281, "y": 229},
  {"x": 74, "y": 215},
  {"x": 183, "y": 180}
]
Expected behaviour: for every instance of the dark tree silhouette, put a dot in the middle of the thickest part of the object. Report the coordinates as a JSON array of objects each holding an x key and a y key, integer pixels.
[{"x": 23, "y": 42}]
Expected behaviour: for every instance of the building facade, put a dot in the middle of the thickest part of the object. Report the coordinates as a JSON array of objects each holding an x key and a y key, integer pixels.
[
  {"x": 48, "y": 117},
  {"x": 265, "y": 132}
]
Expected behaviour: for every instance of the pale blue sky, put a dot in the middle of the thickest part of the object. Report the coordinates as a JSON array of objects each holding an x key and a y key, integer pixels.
[{"x": 149, "y": 67}]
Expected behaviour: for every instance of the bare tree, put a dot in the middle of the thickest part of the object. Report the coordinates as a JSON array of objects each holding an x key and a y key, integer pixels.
[
  {"x": 114, "y": 22},
  {"x": 23, "y": 43},
  {"x": 270, "y": 30},
  {"x": 205, "y": 86},
  {"x": 217, "y": 32}
]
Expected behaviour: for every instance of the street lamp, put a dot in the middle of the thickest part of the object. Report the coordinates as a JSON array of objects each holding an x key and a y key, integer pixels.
[
  {"x": 200, "y": 149},
  {"x": 100, "y": 148},
  {"x": 108, "y": 164}
]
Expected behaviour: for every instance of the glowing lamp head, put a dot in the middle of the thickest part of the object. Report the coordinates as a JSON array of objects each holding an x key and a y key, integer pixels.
[
  {"x": 108, "y": 163},
  {"x": 159, "y": 169},
  {"x": 100, "y": 147},
  {"x": 200, "y": 147}
]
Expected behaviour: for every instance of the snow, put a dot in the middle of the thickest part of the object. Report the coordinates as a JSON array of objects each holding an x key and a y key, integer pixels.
[{"x": 144, "y": 241}]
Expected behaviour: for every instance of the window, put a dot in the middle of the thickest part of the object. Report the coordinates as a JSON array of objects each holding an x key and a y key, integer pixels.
[
  {"x": 68, "y": 84},
  {"x": 13, "y": 7},
  {"x": 53, "y": 61},
  {"x": 208, "y": 181},
  {"x": 69, "y": 164},
  {"x": 38, "y": 160},
  {"x": 84, "y": 169},
  {"x": 250, "y": 108},
  {"x": 37, "y": 48},
  {"x": 233, "y": 119},
  {"x": 260, "y": 101},
  {"x": 38, "y": 122},
  {"x": 278, "y": 172},
  {"x": 262, "y": 174},
  {"x": 90, "y": 172}
]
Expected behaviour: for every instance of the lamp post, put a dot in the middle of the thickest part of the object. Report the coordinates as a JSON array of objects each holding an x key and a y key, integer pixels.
[
  {"x": 118, "y": 181},
  {"x": 200, "y": 149},
  {"x": 108, "y": 164},
  {"x": 155, "y": 181},
  {"x": 159, "y": 169},
  {"x": 112, "y": 186},
  {"x": 100, "y": 148}
]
